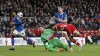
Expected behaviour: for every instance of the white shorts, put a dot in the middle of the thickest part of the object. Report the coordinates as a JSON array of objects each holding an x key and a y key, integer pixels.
[{"x": 21, "y": 33}]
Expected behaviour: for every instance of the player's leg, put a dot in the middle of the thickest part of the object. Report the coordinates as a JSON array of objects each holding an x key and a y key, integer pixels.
[
  {"x": 64, "y": 46},
  {"x": 77, "y": 43},
  {"x": 76, "y": 32},
  {"x": 80, "y": 35},
  {"x": 15, "y": 32},
  {"x": 29, "y": 40},
  {"x": 55, "y": 42},
  {"x": 89, "y": 38},
  {"x": 51, "y": 48},
  {"x": 73, "y": 40},
  {"x": 68, "y": 40},
  {"x": 59, "y": 44}
]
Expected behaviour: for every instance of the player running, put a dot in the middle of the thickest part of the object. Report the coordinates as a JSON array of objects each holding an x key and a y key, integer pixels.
[
  {"x": 52, "y": 43},
  {"x": 19, "y": 30}
]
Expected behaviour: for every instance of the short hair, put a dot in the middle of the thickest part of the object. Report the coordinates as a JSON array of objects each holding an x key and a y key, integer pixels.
[
  {"x": 50, "y": 26},
  {"x": 61, "y": 7}
]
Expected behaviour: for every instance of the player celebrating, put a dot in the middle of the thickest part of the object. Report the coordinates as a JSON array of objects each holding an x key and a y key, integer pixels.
[
  {"x": 19, "y": 30},
  {"x": 52, "y": 43}
]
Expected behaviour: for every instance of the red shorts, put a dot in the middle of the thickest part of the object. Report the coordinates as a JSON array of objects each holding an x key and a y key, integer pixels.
[{"x": 72, "y": 29}]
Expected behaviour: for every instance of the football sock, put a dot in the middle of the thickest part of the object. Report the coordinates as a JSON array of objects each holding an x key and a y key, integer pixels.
[
  {"x": 69, "y": 43},
  {"x": 29, "y": 41},
  {"x": 75, "y": 42},
  {"x": 12, "y": 41}
]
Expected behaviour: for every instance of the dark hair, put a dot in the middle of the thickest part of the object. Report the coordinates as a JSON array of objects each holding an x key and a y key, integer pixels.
[{"x": 50, "y": 26}]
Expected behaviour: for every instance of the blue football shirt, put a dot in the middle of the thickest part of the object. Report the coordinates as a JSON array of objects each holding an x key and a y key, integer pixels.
[
  {"x": 61, "y": 16},
  {"x": 18, "y": 24}
]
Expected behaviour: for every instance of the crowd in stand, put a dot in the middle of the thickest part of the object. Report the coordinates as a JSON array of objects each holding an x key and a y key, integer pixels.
[{"x": 84, "y": 14}]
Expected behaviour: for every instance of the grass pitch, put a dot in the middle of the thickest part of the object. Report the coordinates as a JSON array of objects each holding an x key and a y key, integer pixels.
[{"x": 88, "y": 50}]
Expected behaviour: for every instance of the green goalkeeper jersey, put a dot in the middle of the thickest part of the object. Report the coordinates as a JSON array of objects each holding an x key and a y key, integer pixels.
[
  {"x": 52, "y": 43},
  {"x": 45, "y": 35}
]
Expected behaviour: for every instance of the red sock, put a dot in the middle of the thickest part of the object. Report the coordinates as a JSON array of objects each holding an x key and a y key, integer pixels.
[{"x": 75, "y": 42}]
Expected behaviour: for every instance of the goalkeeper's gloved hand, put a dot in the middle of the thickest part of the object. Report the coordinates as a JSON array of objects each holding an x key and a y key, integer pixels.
[{"x": 45, "y": 41}]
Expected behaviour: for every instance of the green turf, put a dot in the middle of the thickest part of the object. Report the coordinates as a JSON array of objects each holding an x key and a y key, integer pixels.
[{"x": 88, "y": 50}]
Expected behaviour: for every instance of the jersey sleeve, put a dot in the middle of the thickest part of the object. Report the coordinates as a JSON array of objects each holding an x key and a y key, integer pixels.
[
  {"x": 44, "y": 43},
  {"x": 56, "y": 15}
]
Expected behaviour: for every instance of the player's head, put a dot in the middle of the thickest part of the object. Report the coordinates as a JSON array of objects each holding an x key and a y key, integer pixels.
[
  {"x": 41, "y": 29},
  {"x": 52, "y": 26},
  {"x": 58, "y": 27},
  {"x": 20, "y": 14},
  {"x": 60, "y": 9}
]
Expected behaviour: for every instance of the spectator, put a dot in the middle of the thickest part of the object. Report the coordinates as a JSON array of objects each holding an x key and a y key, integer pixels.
[{"x": 41, "y": 11}]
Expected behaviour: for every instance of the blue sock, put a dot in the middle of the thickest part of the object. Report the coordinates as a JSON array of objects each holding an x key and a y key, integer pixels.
[
  {"x": 12, "y": 41},
  {"x": 57, "y": 35},
  {"x": 29, "y": 41},
  {"x": 69, "y": 43}
]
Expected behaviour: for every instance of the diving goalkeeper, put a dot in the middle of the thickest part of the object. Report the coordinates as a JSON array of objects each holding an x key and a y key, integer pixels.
[{"x": 52, "y": 43}]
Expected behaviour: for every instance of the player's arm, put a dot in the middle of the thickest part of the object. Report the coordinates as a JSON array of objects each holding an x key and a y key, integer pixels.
[
  {"x": 57, "y": 18},
  {"x": 44, "y": 41},
  {"x": 52, "y": 20},
  {"x": 17, "y": 21},
  {"x": 65, "y": 19}
]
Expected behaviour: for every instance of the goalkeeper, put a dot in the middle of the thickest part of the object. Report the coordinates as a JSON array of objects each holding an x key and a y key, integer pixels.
[{"x": 52, "y": 43}]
